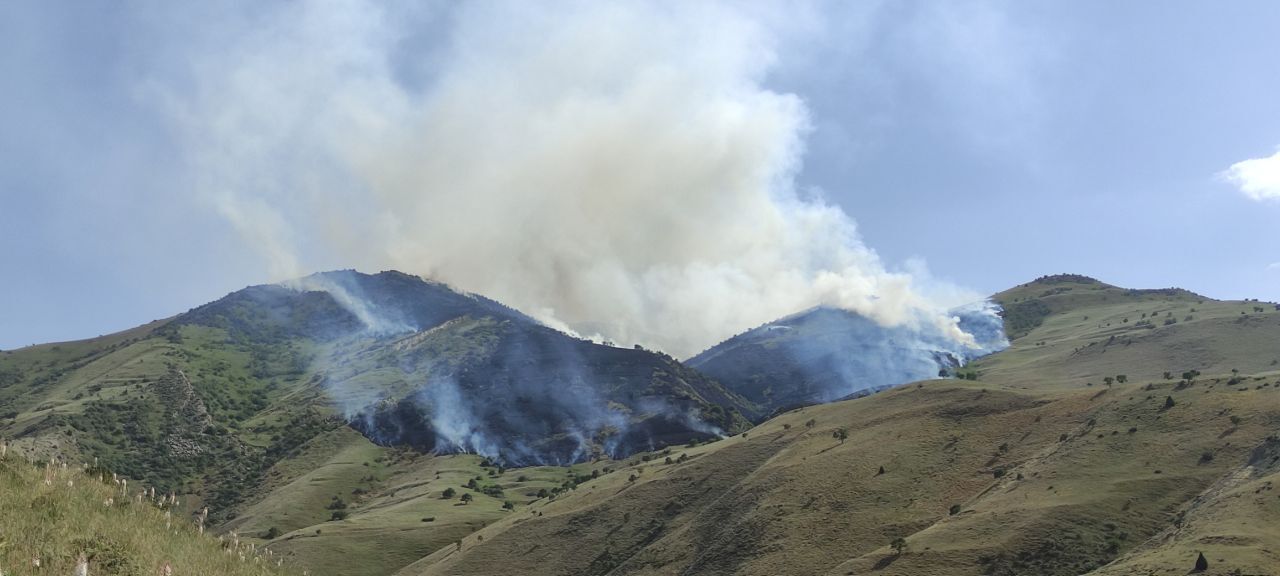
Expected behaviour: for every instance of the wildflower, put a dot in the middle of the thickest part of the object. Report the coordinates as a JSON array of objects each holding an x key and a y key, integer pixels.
[
  {"x": 108, "y": 502},
  {"x": 70, "y": 483},
  {"x": 35, "y": 561},
  {"x": 82, "y": 566},
  {"x": 166, "y": 570},
  {"x": 4, "y": 449}
]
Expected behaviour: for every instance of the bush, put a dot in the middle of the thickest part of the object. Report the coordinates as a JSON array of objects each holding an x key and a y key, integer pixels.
[
  {"x": 338, "y": 515},
  {"x": 449, "y": 493},
  {"x": 955, "y": 509}
]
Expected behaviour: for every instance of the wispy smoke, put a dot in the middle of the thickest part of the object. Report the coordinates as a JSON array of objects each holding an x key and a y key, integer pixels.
[{"x": 617, "y": 169}]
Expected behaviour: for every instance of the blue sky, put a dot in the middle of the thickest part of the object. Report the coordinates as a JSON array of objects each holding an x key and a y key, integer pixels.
[{"x": 146, "y": 146}]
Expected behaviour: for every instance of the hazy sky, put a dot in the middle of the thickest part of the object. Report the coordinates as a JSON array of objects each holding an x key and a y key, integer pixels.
[{"x": 994, "y": 141}]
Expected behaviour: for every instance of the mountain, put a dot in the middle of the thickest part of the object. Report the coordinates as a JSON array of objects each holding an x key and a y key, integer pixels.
[
  {"x": 1121, "y": 432},
  {"x": 827, "y": 353},
  {"x": 207, "y": 402}
]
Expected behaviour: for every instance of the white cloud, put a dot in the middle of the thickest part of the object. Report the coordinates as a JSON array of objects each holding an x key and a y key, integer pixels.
[
  {"x": 1258, "y": 178},
  {"x": 1274, "y": 267}
]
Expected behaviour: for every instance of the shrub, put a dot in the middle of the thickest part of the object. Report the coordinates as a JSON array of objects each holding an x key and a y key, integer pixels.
[
  {"x": 955, "y": 509},
  {"x": 449, "y": 493}
]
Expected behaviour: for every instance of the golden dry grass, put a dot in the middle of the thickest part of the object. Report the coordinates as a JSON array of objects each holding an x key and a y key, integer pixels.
[{"x": 54, "y": 516}]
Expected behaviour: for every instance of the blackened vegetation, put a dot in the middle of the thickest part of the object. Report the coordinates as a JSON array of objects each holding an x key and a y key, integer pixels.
[
  {"x": 826, "y": 354},
  {"x": 537, "y": 396}
]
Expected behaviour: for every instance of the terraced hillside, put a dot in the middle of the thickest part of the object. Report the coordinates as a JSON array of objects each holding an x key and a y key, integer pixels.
[{"x": 1072, "y": 453}]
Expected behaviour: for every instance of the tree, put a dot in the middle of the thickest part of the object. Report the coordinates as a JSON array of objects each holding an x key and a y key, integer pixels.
[
  {"x": 1121, "y": 378},
  {"x": 1168, "y": 402},
  {"x": 449, "y": 493},
  {"x": 899, "y": 545},
  {"x": 508, "y": 505},
  {"x": 1108, "y": 380},
  {"x": 840, "y": 434},
  {"x": 1201, "y": 563},
  {"x": 811, "y": 423},
  {"x": 467, "y": 498}
]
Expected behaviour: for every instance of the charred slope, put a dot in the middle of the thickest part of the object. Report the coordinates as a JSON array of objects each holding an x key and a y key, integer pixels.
[
  {"x": 825, "y": 354},
  {"x": 415, "y": 362},
  {"x": 526, "y": 394}
]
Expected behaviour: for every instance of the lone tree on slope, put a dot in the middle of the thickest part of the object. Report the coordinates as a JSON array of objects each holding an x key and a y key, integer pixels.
[{"x": 1201, "y": 563}]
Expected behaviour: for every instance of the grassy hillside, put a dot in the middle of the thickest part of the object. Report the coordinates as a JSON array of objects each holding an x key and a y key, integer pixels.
[
  {"x": 57, "y": 517},
  {"x": 1047, "y": 464},
  {"x": 242, "y": 405},
  {"x": 1080, "y": 449}
]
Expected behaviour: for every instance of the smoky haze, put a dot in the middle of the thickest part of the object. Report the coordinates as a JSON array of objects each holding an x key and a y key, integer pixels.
[{"x": 619, "y": 171}]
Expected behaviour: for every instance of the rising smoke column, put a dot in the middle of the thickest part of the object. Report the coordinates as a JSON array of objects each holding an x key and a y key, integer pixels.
[{"x": 618, "y": 170}]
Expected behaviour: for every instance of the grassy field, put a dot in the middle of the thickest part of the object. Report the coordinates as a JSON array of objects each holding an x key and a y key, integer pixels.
[
  {"x": 1047, "y": 464},
  {"x": 51, "y": 518}
]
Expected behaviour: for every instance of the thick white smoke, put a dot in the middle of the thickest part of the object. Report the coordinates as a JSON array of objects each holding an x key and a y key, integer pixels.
[{"x": 617, "y": 169}]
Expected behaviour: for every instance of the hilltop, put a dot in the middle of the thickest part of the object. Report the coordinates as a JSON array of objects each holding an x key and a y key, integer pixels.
[{"x": 827, "y": 353}]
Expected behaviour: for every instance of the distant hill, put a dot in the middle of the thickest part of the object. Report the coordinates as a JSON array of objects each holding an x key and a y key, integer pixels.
[{"x": 825, "y": 354}]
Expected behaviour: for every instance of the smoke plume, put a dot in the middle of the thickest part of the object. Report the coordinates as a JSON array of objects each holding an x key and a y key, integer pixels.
[{"x": 619, "y": 170}]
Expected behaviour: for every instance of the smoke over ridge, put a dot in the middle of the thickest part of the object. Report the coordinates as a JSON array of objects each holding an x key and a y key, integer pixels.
[{"x": 620, "y": 170}]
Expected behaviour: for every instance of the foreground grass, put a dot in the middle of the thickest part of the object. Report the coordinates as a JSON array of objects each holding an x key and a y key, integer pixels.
[{"x": 51, "y": 517}]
